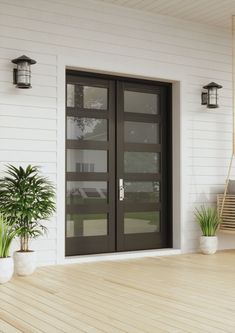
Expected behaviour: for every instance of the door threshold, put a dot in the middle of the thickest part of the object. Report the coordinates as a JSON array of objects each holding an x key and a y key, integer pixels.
[{"x": 120, "y": 255}]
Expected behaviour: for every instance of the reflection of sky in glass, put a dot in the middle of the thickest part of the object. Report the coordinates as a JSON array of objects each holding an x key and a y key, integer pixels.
[
  {"x": 141, "y": 162},
  {"x": 140, "y": 132},
  {"x": 140, "y": 102},
  {"x": 95, "y": 98}
]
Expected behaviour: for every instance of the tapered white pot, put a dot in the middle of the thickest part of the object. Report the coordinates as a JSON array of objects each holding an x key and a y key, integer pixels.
[
  {"x": 208, "y": 245},
  {"x": 6, "y": 269},
  {"x": 25, "y": 262}
]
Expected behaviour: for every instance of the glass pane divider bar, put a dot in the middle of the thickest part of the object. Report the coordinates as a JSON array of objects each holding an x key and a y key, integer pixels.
[
  {"x": 86, "y": 81},
  {"x": 142, "y": 177},
  {"x": 87, "y": 113},
  {"x": 140, "y": 117},
  {"x": 87, "y": 209},
  {"x": 87, "y": 144},
  {"x": 143, "y": 147},
  {"x": 87, "y": 176},
  {"x": 144, "y": 207}
]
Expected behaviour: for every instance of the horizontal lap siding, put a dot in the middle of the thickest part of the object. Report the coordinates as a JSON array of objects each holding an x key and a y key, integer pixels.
[
  {"x": 28, "y": 119},
  {"x": 120, "y": 37}
]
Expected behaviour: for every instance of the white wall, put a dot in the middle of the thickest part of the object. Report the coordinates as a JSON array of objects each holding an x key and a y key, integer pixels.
[{"x": 90, "y": 35}]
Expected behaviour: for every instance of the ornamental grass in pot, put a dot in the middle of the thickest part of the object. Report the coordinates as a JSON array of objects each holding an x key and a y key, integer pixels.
[
  {"x": 209, "y": 221},
  {"x": 26, "y": 198},
  {"x": 7, "y": 234}
]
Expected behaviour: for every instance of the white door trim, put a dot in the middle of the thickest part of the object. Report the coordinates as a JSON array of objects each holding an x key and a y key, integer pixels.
[{"x": 162, "y": 73}]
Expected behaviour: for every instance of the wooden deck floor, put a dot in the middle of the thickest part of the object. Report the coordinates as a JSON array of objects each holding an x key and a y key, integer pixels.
[{"x": 183, "y": 293}]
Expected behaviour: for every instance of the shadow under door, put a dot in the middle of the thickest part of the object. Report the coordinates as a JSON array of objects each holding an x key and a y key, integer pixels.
[{"x": 118, "y": 164}]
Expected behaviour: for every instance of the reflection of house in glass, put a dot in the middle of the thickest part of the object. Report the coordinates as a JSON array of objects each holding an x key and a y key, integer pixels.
[
  {"x": 86, "y": 160},
  {"x": 86, "y": 192}
]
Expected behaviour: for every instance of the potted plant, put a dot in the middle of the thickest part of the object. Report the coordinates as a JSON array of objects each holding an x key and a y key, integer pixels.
[
  {"x": 7, "y": 234},
  {"x": 26, "y": 198},
  {"x": 209, "y": 221}
]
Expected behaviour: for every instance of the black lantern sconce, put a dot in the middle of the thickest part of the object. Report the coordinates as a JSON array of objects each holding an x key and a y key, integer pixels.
[
  {"x": 210, "y": 97},
  {"x": 22, "y": 73}
]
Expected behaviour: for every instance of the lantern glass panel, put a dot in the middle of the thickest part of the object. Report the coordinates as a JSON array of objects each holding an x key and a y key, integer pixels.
[
  {"x": 212, "y": 96},
  {"x": 23, "y": 74}
]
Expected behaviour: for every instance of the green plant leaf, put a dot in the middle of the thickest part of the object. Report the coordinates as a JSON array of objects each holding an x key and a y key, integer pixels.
[
  {"x": 7, "y": 234},
  {"x": 26, "y": 198},
  {"x": 208, "y": 220}
]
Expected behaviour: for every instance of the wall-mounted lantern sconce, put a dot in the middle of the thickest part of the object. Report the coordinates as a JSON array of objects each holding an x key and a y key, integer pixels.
[
  {"x": 22, "y": 73},
  {"x": 210, "y": 97}
]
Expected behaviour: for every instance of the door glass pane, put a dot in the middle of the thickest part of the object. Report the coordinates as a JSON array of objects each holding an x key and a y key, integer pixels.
[
  {"x": 70, "y": 95},
  {"x": 88, "y": 192},
  {"x": 142, "y": 191},
  {"x": 141, "y": 222},
  {"x": 79, "y": 225},
  {"x": 84, "y": 160},
  {"x": 95, "y": 98},
  {"x": 141, "y": 162},
  {"x": 86, "y": 129},
  {"x": 140, "y": 102},
  {"x": 141, "y": 132}
]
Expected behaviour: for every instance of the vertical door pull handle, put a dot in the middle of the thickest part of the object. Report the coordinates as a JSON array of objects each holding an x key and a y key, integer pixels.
[{"x": 121, "y": 190}]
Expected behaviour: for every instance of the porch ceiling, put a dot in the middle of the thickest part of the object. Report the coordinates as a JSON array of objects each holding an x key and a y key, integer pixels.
[{"x": 213, "y": 12}]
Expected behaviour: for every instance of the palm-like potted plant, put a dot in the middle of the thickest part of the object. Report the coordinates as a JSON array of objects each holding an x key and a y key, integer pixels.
[
  {"x": 26, "y": 198},
  {"x": 208, "y": 220},
  {"x": 7, "y": 234}
]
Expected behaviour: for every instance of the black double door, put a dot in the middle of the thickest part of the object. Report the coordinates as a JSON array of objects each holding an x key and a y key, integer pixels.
[{"x": 118, "y": 156}]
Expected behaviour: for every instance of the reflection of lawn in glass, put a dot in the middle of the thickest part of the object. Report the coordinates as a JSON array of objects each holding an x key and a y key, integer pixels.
[
  {"x": 87, "y": 224},
  {"x": 96, "y": 224},
  {"x": 142, "y": 197},
  {"x": 141, "y": 222}
]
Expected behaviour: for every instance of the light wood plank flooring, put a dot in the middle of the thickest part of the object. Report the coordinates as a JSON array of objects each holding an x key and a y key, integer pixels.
[{"x": 183, "y": 293}]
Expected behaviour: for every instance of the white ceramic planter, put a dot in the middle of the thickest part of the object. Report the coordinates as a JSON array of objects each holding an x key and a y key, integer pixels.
[
  {"x": 6, "y": 269},
  {"x": 25, "y": 262},
  {"x": 208, "y": 245}
]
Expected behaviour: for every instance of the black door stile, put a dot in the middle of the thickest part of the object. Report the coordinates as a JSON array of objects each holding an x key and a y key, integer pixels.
[
  {"x": 119, "y": 168},
  {"x": 139, "y": 221},
  {"x": 142, "y": 240},
  {"x": 80, "y": 242}
]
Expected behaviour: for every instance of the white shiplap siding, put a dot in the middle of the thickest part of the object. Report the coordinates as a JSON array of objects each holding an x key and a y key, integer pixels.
[{"x": 126, "y": 42}]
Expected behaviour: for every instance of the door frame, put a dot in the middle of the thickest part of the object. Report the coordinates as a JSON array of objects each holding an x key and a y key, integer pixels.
[
  {"x": 115, "y": 83},
  {"x": 179, "y": 80}
]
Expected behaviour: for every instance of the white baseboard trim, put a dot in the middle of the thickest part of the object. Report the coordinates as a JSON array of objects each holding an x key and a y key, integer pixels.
[{"x": 120, "y": 256}]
